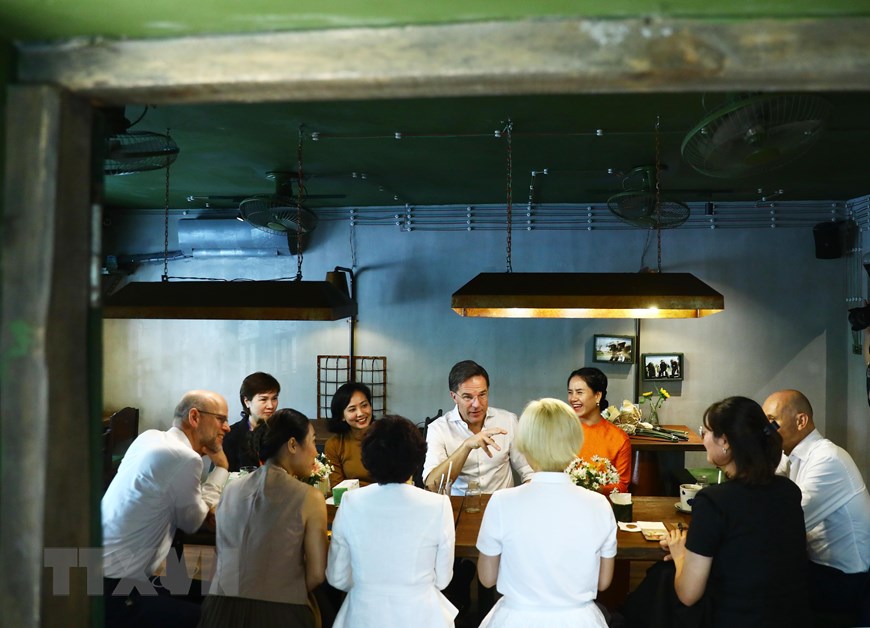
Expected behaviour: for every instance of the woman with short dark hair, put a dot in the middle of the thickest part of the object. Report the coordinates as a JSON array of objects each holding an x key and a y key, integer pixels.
[
  {"x": 258, "y": 396},
  {"x": 351, "y": 417},
  {"x": 392, "y": 543},
  {"x": 746, "y": 547}
]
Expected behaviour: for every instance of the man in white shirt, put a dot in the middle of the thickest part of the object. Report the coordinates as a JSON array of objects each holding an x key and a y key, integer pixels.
[
  {"x": 157, "y": 490},
  {"x": 835, "y": 502},
  {"x": 473, "y": 441}
]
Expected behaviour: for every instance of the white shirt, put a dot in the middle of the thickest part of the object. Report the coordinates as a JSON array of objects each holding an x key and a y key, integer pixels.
[
  {"x": 551, "y": 536},
  {"x": 835, "y": 502},
  {"x": 156, "y": 490},
  {"x": 445, "y": 435},
  {"x": 392, "y": 550}
]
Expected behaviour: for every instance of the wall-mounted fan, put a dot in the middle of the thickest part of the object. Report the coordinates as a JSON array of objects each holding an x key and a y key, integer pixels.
[
  {"x": 754, "y": 133},
  {"x": 277, "y": 213},
  {"x": 128, "y": 152},
  {"x": 280, "y": 213},
  {"x": 639, "y": 206}
]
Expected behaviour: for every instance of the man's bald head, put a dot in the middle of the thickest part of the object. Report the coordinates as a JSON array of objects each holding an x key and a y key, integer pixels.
[{"x": 793, "y": 412}]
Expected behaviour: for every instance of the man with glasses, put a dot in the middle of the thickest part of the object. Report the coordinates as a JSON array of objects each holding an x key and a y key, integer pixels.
[
  {"x": 472, "y": 442},
  {"x": 158, "y": 489},
  {"x": 836, "y": 507}
]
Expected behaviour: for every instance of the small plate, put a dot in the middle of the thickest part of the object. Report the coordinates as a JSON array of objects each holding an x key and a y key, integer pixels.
[
  {"x": 680, "y": 508},
  {"x": 653, "y": 535}
]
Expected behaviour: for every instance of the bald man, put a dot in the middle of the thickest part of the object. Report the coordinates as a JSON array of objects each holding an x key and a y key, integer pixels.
[
  {"x": 835, "y": 502},
  {"x": 157, "y": 489}
]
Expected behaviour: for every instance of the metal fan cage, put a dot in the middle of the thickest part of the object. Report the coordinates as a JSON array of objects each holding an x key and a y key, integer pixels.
[
  {"x": 638, "y": 208},
  {"x": 138, "y": 151},
  {"x": 753, "y": 134},
  {"x": 277, "y": 215}
]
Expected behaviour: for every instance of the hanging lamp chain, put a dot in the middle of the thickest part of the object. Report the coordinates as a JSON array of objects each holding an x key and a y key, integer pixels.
[
  {"x": 300, "y": 194},
  {"x": 508, "y": 131},
  {"x": 659, "y": 192},
  {"x": 165, "y": 276}
]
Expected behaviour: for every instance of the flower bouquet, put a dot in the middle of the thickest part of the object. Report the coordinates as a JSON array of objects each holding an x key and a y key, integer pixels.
[
  {"x": 626, "y": 418},
  {"x": 592, "y": 474},
  {"x": 654, "y": 404},
  {"x": 320, "y": 473}
]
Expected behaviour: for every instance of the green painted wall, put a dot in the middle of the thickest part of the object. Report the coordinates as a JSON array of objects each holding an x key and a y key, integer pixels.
[
  {"x": 47, "y": 19},
  {"x": 6, "y": 57}
]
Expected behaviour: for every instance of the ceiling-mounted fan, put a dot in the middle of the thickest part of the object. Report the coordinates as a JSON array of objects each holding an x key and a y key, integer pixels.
[
  {"x": 279, "y": 213},
  {"x": 129, "y": 152},
  {"x": 639, "y": 205},
  {"x": 753, "y": 133}
]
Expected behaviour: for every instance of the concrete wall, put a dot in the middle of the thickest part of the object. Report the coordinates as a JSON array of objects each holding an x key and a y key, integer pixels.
[{"x": 784, "y": 325}]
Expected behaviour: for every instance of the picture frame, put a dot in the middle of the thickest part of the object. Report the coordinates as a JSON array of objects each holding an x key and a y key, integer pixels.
[
  {"x": 666, "y": 366},
  {"x": 613, "y": 349}
]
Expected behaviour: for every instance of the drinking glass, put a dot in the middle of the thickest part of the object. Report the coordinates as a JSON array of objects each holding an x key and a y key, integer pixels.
[{"x": 472, "y": 497}]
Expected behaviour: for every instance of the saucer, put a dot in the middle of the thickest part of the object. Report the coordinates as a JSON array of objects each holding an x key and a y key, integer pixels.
[{"x": 680, "y": 508}]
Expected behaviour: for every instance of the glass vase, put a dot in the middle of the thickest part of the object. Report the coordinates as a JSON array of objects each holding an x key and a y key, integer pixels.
[
  {"x": 653, "y": 417},
  {"x": 323, "y": 486}
]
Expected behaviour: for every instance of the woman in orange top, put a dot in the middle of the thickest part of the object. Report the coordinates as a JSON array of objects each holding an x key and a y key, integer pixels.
[{"x": 587, "y": 395}]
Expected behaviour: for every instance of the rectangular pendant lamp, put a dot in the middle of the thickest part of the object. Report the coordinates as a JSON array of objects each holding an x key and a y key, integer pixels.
[
  {"x": 587, "y": 295},
  {"x": 232, "y": 300}
]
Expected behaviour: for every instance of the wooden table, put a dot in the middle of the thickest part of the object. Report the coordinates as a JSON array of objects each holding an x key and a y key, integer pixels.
[
  {"x": 199, "y": 552},
  {"x": 656, "y": 464},
  {"x": 629, "y": 545}
]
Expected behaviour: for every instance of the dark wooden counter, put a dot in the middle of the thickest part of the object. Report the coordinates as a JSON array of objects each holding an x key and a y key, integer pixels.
[{"x": 656, "y": 464}]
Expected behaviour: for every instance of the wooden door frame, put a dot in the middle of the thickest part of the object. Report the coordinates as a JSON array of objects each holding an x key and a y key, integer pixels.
[{"x": 50, "y": 318}]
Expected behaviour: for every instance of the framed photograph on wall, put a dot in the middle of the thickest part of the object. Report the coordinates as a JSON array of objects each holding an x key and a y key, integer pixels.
[
  {"x": 617, "y": 349},
  {"x": 664, "y": 366}
]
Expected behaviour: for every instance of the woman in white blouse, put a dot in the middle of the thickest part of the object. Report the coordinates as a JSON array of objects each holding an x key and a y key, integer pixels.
[
  {"x": 392, "y": 543},
  {"x": 548, "y": 544}
]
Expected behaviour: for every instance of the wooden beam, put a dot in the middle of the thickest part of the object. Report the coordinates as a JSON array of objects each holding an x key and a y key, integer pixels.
[
  {"x": 47, "y": 441},
  {"x": 486, "y": 58}
]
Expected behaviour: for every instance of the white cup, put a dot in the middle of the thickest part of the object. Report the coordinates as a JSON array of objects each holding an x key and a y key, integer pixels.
[{"x": 687, "y": 495}]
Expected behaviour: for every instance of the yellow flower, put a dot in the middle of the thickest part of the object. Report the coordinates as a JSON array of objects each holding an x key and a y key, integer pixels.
[
  {"x": 648, "y": 394},
  {"x": 664, "y": 393}
]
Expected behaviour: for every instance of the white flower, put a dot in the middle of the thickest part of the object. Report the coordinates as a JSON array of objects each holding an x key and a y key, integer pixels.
[
  {"x": 320, "y": 470},
  {"x": 593, "y": 474}
]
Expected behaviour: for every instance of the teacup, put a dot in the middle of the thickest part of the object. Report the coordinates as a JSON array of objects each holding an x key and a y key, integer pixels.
[
  {"x": 621, "y": 503},
  {"x": 687, "y": 495}
]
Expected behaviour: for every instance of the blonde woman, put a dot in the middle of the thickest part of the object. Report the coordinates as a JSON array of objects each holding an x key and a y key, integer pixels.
[{"x": 549, "y": 545}]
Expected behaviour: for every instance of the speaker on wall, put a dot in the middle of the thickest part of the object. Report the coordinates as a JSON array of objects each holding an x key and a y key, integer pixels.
[{"x": 833, "y": 238}]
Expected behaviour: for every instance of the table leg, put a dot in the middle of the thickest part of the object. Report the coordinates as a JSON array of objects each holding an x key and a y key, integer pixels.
[
  {"x": 645, "y": 477},
  {"x": 656, "y": 473}
]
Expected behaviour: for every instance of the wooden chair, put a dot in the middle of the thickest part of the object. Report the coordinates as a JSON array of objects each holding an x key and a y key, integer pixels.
[{"x": 122, "y": 429}]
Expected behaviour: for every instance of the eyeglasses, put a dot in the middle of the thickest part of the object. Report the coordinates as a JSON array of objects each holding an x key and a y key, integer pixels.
[
  {"x": 222, "y": 418},
  {"x": 702, "y": 430}
]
